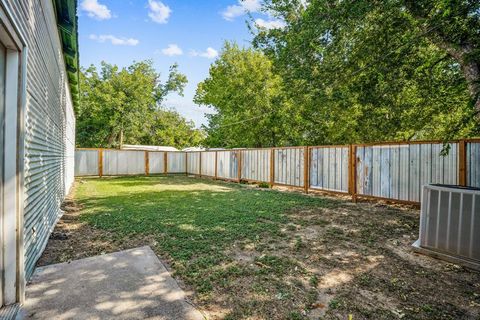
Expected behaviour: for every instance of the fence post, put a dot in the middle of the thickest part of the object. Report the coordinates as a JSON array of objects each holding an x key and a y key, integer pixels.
[
  {"x": 186, "y": 163},
  {"x": 200, "y": 164},
  {"x": 216, "y": 162},
  {"x": 462, "y": 163},
  {"x": 306, "y": 168},
  {"x": 352, "y": 172},
  {"x": 165, "y": 163},
  {"x": 147, "y": 164},
  {"x": 239, "y": 164},
  {"x": 272, "y": 169},
  {"x": 100, "y": 162}
]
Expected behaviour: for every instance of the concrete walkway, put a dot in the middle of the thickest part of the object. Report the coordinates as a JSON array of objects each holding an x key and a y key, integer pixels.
[{"x": 131, "y": 284}]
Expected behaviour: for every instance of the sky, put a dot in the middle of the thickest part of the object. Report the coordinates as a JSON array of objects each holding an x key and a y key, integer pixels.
[{"x": 188, "y": 32}]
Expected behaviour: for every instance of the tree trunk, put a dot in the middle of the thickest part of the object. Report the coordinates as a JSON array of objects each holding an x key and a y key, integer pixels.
[
  {"x": 463, "y": 53},
  {"x": 121, "y": 138},
  {"x": 470, "y": 69}
]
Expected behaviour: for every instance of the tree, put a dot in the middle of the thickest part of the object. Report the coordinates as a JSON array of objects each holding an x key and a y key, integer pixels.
[
  {"x": 362, "y": 71},
  {"x": 248, "y": 100},
  {"x": 124, "y": 106}
]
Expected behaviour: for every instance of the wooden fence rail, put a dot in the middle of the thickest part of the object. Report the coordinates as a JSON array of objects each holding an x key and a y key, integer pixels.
[{"x": 391, "y": 171}]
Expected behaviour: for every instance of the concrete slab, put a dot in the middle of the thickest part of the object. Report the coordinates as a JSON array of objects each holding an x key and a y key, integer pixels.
[{"x": 130, "y": 284}]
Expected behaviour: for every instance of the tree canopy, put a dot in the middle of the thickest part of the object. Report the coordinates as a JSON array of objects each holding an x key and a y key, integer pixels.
[
  {"x": 242, "y": 86},
  {"x": 125, "y": 106},
  {"x": 350, "y": 71}
]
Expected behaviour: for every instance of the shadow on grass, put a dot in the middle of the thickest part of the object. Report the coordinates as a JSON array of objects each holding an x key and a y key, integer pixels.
[
  {"x": 207, "y": 217},
  {"x": 272, "y": 255}
]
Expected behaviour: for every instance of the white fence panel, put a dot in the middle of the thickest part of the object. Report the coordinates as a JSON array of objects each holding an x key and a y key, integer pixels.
[
  {"x": 193, "y": 163},
  {"x": 117, "y": 162},
  {"x": 208, "y": 163},
  {"x": 473, "y": 164},
  {"x": 86, "y": 163},
  {"x": 329, "y": 168},
  {"x": 256, "y": 165},
  {"x": 399, "y": 171},
  {"x": 289, "y": 166},
  {"x": 176, "y": 162},
  {"x": 156, "y": 162},
  {"x": 227, "y": 164}
]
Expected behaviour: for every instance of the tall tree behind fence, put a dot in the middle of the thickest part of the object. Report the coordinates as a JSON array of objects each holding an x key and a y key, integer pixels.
[{"x": 392, "y": 171}]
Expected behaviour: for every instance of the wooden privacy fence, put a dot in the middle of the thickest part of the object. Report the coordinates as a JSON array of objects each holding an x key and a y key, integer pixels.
[{"x": 390, "y": 171}]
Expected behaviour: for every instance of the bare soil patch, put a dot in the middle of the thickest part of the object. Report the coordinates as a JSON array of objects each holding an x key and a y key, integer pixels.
[{"x": 324, "y": 263}]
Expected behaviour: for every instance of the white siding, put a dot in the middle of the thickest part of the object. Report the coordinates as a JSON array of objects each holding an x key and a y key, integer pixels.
[{"x": 49, "y": 125}]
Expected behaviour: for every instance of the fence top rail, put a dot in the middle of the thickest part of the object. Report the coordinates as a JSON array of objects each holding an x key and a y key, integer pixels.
[
  {"x": 287, "y": 148},
  {"x": 389, "y": 143},
  {"x": 331, "y": 146},
  {"x": 385, "y": 143}
]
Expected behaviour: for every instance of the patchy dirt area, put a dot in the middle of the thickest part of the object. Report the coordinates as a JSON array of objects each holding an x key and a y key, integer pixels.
[{"x": 324, "y": 263}]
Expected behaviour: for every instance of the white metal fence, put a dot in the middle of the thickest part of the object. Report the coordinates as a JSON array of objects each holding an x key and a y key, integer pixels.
[{"x": 394, "y": 171}]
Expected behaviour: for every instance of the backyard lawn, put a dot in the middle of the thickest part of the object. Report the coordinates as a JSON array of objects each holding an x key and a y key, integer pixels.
[{"x": 242, "y": 252}]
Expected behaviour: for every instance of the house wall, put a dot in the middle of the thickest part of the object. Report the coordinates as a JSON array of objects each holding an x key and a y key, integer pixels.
[{"x": 49, "y": 131}]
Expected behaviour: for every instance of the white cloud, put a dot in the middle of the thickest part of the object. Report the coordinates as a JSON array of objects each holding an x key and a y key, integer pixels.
[
  {"x": 210, "y": 53},
  {"x": 243, "y": 6},
  {"x": 158, "y": 12},
  {"x": 96, "y": 10},
  {"x": 271, "y": 24},
  {"x": 172, "y": 50},
  {"x": 114, "y": 40}
]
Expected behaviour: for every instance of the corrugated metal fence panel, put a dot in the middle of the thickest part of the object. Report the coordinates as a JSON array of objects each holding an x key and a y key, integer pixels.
[
  {"x": 116, "y": 162},
  {"x": 208, "y": 163},
  {"x": 176, "y": 162},
  {"x": 288, "y": 166},
  {"x": 256, "y": 164},
  {"x": 399, "y": 171},
  {"x": 46, "y": 131},
  {"x": 227, "y": 164},
  {"x": 329, "y": 168},
  {"x": 473, "y": 164},
  {"x": 156, "y": 162},
  {"x": 193, "y": 163},
  {"x": 86, "y": 163}
]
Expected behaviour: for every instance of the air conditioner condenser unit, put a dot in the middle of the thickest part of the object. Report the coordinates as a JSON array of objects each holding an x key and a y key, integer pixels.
[{"x": 450, "y": 224}]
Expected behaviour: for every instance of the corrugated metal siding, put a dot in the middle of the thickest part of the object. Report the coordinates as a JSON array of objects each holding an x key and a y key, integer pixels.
[
  {"x": 156, "y": 162},
  {"x": 69, "y": 149},
  {"x": 86, "y": 163},
  {"x": 48, "y": 125},
  {"x": 176, "y": 162},
  {"x": 329, "y": 168},
  {"x": 193, "y": 163},
  {"x": 227, "y": 164},
  {"x": 123, "y": 162},
  {"x": 473, "y": 164},
  {"x": 208, "y": 163},
  {"x": 288, "y": 166},
  {"x": 256, "y": 165},
  {"x": 399, "y": 171}
]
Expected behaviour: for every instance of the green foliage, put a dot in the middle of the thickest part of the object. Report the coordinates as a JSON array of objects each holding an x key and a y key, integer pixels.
[
  {"x": 125, "y": 106},
  {"x": 366, "y": 71},
  {"x": 350, "y": 71},
  {"x": 248, "y": 99}
]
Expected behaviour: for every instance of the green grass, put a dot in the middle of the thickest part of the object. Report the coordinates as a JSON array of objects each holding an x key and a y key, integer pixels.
[
  {"x": 194, "y": 221},
  {"x": 255, "y": 253}
]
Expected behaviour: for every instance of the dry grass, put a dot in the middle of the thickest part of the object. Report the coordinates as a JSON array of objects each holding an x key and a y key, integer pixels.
[{"x": 247, "y": 253}]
